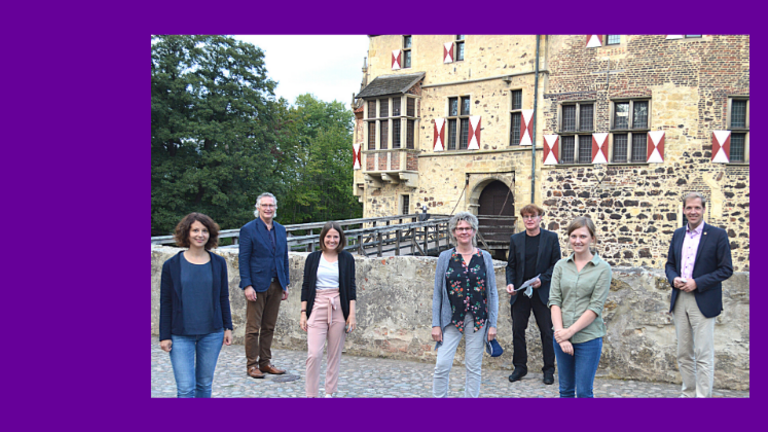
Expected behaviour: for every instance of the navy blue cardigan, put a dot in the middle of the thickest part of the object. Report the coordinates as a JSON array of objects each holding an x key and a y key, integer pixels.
[
  {"x": 347, "y": 287},
  {"x": 171, "y": 315}
]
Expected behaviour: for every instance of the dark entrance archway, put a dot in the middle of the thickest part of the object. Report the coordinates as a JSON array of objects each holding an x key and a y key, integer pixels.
[{"x": 496, "y": 200}]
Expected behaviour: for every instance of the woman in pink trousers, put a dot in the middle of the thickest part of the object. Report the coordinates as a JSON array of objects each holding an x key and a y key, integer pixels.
[{"x": 328, "y": 297}]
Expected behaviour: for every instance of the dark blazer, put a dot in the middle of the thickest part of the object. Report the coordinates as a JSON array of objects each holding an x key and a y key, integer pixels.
[
  {"x": 549, "y": 255},
  {"x": 713, "y": 265},
  {"x": 347, "y": 287},
  {"x": 171, "y": 313},
  {"x": 256, "y": 255}
]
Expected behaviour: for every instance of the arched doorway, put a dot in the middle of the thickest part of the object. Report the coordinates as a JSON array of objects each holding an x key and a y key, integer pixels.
[
  {"x": 496, "y": 214},
  {"x": 496, "y": 199}
]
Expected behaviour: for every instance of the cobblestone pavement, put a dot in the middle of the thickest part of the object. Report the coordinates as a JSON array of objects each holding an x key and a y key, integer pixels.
[{"x": 365, "y": 377}]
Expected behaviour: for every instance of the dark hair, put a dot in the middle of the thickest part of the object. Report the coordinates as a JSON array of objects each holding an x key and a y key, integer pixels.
[
  {"x": 181, "y": 235},
  {"x": 531, "y": 208},
  {"x": 342, "y": 238}
]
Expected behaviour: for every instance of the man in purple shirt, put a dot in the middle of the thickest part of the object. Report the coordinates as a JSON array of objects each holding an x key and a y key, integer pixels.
[{"x": 699, "y": 260}]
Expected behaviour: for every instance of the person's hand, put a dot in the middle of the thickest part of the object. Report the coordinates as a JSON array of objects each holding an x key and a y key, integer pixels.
[
  {"x": 227, "y": 337},
  {"x": 351, "y": 323},
  {"x": 285, "y": 295},
  {"x": 303, "y": 321},
  {"x": 536, "y": 283},
  {"x": 511, "y": 289},
  {"x": 566, "y": 347},
  {"x": 165, "y": 345},
  {"x": 437, "y": 334},
  {"x": 689, "y": 286},
  {"x": 250, "y": 293},
  {"x": 678, "y": 282},
  {"x": 562, "y": 335},
  {"x": 491, "y": 333}
]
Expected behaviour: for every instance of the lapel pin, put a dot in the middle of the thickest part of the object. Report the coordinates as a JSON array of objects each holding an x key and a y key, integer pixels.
[{"x": 705, "y": 233}]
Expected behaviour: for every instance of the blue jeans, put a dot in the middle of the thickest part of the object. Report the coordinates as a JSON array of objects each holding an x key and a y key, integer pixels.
[
  {"x": 576, "y": 373},
  {"x": 194, "y": 360}
]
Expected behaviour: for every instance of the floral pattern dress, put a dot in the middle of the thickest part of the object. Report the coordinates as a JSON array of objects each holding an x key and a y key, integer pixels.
[{"x": 466, "y": 285}]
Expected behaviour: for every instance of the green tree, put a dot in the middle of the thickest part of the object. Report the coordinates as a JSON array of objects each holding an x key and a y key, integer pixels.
[
  {"x": 217, "y": 130},
  {"x": 320, "y": 187}
]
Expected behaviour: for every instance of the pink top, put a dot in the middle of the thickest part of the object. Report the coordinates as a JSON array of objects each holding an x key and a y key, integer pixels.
[{"x": 690, "y": 247}]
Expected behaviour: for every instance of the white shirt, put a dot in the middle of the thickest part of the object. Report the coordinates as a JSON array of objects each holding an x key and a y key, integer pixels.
[{"x": 327, "y": 274}]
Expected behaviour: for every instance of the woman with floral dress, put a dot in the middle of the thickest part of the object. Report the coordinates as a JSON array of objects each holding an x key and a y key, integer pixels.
[{"x": 464, "y": 303}]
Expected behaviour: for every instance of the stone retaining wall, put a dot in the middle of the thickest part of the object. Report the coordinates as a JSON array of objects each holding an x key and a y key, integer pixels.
[{"x": 394, "y": 315}]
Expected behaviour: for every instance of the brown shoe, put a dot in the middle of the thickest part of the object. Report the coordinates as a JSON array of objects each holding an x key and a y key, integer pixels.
[
  {"x": 271, "y": 370},
  {"x": 254, "y": 372}
]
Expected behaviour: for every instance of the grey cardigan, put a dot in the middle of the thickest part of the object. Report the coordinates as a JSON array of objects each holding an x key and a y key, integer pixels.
[{"x": 441, "y": 305}]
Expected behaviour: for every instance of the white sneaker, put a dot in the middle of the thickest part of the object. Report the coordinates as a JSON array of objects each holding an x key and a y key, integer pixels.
[{"x": 329, "y": 395}]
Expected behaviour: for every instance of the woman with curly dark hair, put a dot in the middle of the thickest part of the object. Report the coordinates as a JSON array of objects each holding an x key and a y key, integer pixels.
[{"x": 194, "y": 306}]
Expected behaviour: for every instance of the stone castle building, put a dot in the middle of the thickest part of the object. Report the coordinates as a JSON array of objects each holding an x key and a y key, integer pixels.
[{"x": 616, "y": 127}]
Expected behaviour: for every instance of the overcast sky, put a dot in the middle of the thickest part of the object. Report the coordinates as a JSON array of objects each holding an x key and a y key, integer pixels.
[{"x": 328, "y": 66}]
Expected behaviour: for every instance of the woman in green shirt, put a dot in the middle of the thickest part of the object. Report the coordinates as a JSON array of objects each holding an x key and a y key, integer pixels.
[{"x": 580, "y": 285}]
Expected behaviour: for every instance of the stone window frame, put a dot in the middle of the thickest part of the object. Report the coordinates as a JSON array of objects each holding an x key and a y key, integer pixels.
[
  {"x": 461, "y": 128},
  {"x": 608, "y": 40},
  {"x": 578, "y": 133},
  {"x": 405, "y": 204},
  {"x": 380, "y": 128},
  {"x": 631, "y": 131},
  {"x": 739, "y": 130},
  {"x": 515, "y": 112},
  {"x": 407, "y": 52},
  {"x": 460, "y": 42}
]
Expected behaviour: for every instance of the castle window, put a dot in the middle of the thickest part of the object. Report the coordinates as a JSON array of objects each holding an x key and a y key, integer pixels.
[
  {"x": 576, "y": 127},
  {"x": 516, "y": 117},
  {"x": 612, "y": 39},
  {"x": 738, "y": 124},
  {"x": 458, "y": 123},
  {"x": 460, "y": 47},
  {"x": 630, "y": 125},
  {"x": 390, "y": 122},
  {"x": 407, "y": 40}
]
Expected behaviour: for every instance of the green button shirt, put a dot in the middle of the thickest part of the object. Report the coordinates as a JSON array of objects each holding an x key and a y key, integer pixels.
[{"x": 577, "y": 292}]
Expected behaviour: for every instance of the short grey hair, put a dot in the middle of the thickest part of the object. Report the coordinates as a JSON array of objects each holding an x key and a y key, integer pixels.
[
  {"x": 465, "y": 217},
  {"x": 258, "y": 203},
  {"x": 694, "y": 195}
]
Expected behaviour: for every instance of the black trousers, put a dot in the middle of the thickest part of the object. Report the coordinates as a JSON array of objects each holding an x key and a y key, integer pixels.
[{"x": 521, "y": 312}]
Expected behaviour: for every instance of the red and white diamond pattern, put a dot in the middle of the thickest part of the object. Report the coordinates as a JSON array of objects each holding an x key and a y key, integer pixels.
[
  {"x": 721, "y": 146},
  {"x": 395, "y": 59},
  {"x": 599, "y": 148},
  {"x": 656, "y": 147},
  {"x": 439, "y": 135},
  {"x": 474, "y": 133},
  {"x": 358, "y": 159},
  {"x": 550, "y": 149},
  {"x": 526, "y": 127},
  {"x": 448, "y": 52}
]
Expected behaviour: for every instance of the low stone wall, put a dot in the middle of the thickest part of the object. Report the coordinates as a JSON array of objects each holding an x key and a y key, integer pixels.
[{"x": 394, "y": 314}]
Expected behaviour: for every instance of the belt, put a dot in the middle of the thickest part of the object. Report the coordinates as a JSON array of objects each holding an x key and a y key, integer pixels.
[{"x": 331, "y": 303}]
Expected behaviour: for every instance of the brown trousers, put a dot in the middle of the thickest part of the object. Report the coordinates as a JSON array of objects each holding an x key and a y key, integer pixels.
[{"x": 261, "y": 316}]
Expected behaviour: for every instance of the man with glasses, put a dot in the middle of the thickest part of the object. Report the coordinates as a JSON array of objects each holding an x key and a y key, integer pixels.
[
  {"x": 532, "y": 254},
  {"x": 264, "y": 279}
]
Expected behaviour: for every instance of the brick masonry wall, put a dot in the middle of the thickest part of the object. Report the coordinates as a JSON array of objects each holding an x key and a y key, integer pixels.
[{"x": 637, "y": 207}]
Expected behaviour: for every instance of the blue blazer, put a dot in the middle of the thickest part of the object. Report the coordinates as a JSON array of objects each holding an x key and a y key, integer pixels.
[
  {"x": 171, "y": 313},
  {"x": 549, "y": 255},
  {"x": 713, "y": 265},
  {"x": 256, "y": 255}
]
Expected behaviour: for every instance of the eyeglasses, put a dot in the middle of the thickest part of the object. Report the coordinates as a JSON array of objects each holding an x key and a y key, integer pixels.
[
  {"x": 463, "y": 229},
  {"x": 268, "y": 206},
  {"x": 529, "y": 217}
]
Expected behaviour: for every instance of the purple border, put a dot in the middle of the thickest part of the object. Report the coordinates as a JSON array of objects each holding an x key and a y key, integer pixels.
[{"x": 378, "y": 414}]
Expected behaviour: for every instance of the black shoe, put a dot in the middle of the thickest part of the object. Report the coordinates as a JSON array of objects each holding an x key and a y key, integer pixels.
[
  {"x": 549, "y": 377},
  {"x": 517, "y": 374}
]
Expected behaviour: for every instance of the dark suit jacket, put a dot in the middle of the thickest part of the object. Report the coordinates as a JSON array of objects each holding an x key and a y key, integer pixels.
[
  {"x": 171, "y": 313},
  {"x": 347, "y": 286},
  {"x": 256, "y": 255},
  {"x": 549, "y": 255},
  {"x": 713, "y": 265}
]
